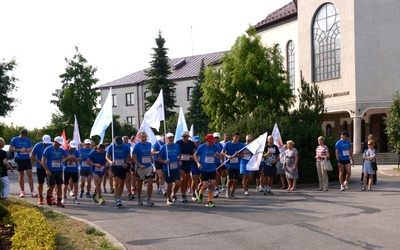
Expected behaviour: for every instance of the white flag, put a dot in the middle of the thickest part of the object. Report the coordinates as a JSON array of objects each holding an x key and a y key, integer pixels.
[
  {"x": 76, "y": 137},
  {"x": 277, "y": 136},
  {"x": 155, "y": 114},
  {"x": 150, "y": 134},
  {"x": 181, "y": 125},
  {"x": 191, "y": 133},
  {"x": 103, "y": 119},
  {"x": 257, "y": 148}
]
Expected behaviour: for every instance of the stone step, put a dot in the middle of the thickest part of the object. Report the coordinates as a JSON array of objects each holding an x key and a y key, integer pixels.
[{"x": 382, "y": 158}]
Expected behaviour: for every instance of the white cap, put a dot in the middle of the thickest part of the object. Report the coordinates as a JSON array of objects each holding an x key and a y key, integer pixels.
[
  {"x": 216, "y": 134},
  {"x": 73, "y": 144},
  {"x": 87, "y": 141},
  {"x": 59, "y": 139},
  {"x": 186, "y": 133},
  {"x": 46, "y": 139},
  {"x": 169, "y": 135}
]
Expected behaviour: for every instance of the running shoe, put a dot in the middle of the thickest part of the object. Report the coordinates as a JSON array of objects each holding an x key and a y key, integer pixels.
[
  {"x": 105, "y": 190},
  {"x": 40, "y": 202},
  {"x": 59, "y": 204},
  {"x": 210, "y": 204},
  {"x": 150, "y": 202},
  {"x": 119, "y": 203},
  {"x": 94, "y": 199},
  {"x": 64, "y": 200},
  {"x": 34, "y": 193},
  {"x": 174, "y": 199},
  {"x": 49, "y": 201},
  {"x": 194, "y": 198},
  {"x": 53, "y": 202},
  {"x": 101, "y": 200},
  {"x": 200, "y": 199},
  {"x": 215, "y": 195},
  {"x": 346, "y": 185},
  {"x": 71, "y": 193},
  {"x": 216, "y": 190},
  {"x": 76, "y": 201},
  {"x": 22, "y": 194},
  {"x": 223, "y": 188},
  {"x": 131, "y": 197},
  {"x": 233, "y": 196},
  {"x": 228, "y": 195},
  {"x": 139, "y": 201},
  {"x": 169, "y": 202},
  {"x": 81, "y": 194},
  {"x": 183, "y": 198},
  {"x": 342, "y": 188},
  {"x": 189, "y": 190},
  {"x": 88, "y": 195},
  {"x": 246, "y": 193},
  {"x": 112, "y": 190}
]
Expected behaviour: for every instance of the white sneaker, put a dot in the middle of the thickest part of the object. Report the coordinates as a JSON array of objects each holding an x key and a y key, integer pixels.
[
  {"x": 71, "y": 193},
  {"x": 346, "y": 185},
  {"x": 64, "y": 200},
  {"x": 246, "y": 193},
  {"x": 223, "y": 188},
  {"x": 342, "y": 188},
  {"x": 194, "y": 198},
  {"x": 76, "y": 201}
]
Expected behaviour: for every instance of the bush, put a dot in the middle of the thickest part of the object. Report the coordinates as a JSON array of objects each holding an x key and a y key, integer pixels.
[{"x": 32, "y": 231}]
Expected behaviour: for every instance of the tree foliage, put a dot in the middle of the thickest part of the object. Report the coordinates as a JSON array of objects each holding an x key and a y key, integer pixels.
[
  {"x": 77, "y": 96},
  {"x": 158, "y": 74},
  {"x": 196, "y": 115},
  {"x": 7, "y": 86},
  {"x": 392, "y": 123},
  {"x": 251, "y": 75}
]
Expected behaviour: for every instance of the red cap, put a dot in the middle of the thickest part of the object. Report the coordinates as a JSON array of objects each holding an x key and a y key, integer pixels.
[{"x": 209, "y": 138}]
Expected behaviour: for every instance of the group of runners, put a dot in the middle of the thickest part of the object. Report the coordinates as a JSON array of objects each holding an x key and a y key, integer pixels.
[{"x": 188, "y": 166}]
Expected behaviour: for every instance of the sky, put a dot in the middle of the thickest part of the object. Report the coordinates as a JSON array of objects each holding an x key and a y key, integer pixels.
[{"x": 116, "y": 37}]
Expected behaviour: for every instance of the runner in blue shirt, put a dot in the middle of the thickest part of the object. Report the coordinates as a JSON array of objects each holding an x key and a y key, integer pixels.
[
  {"x": 231, "y": 152},
  {"x": 52, "y": 160},
  {"x": 344, "y": 157},
  {"x": 160, "y": 179},
  {"x": 22, "y": 146},
  {"x": 171, "y": 163},
  {"x": 85, "y": 170},
  {"x": 36, "y": 156},
  {"x": 71, "y": 170},
  {"x": 205, "y": 157},
  {"x": 99, "y": 166},
  {"x": 119, "y": 157}
]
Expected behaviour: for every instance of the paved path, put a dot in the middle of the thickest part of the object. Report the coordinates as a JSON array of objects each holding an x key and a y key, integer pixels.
[{"x": 304, "y": 219}]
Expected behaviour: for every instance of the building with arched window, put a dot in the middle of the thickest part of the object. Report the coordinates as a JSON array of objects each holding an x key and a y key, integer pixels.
[{"x": 349, "y": 49}]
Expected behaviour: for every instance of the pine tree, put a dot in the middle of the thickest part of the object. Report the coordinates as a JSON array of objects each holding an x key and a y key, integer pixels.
[
  {"x": 196, "y": 115},
  {"x": 158, "y": 74}
]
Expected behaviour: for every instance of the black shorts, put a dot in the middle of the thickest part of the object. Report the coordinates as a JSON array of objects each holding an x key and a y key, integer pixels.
[
  {"x": 119, "y": 172},
  {"x": 158, "y": 165},
  {"x": 205, "y": 176},
  {"x": 73, "y": 175},
  {"x": 55, "y": 178},
  {"x": 186, "y": 167},
  {"x": 23, "y": 164},
  {"x": 345, "y": 162},
  {"x": 233, "y": 173},
  {"x": 270, "y": 171},
  {"x": 41, "y": 175},
  {"x": 85, "y": 172},
  {"x": 128, "y": 168}
]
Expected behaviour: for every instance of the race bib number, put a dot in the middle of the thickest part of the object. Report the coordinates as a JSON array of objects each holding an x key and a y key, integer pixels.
[
  {"x": 185, "y": 157},
  {"x": 234, "y": 160},
  {"x": 119, "y": 162},
  {"x": 209, "y": 159},
  {"x": 146, "y": 159},
  {"x": 84, "y": 164},
  {"x": 55, "y": 164},
  {"x": 24, "y": 153},
  {"x": 346, "y": 152},
  {"x": 173, "y": 165},
  {"x": 99, "y": 169}
]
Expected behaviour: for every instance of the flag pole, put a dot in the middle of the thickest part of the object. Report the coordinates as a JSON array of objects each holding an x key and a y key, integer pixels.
[
  {"x": 112, "y": 126},
  {"x": 166, "y": 145}
]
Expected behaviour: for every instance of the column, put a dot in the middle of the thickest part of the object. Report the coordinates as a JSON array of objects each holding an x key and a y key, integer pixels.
[{"x": 357, "y": 135}]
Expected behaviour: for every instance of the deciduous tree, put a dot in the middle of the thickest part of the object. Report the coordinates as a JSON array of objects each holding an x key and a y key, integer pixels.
[{"x": 7, "y": 86}]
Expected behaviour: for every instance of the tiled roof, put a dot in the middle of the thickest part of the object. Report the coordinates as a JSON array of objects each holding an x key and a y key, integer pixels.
[
  {"x": 181, "y": 68},
  {"x": 286, "y": 11}
]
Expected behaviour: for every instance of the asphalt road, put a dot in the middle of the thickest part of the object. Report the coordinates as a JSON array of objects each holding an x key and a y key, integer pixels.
[{"x": 304, "y": 219}]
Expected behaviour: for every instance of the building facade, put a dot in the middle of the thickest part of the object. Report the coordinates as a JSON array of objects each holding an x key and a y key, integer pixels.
[{"x": 349, "y": 49}]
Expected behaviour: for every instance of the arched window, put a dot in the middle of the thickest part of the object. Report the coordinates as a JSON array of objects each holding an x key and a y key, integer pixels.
[
  {"x": 290, "y": 64},
  {"x": 326, "y": 44}
]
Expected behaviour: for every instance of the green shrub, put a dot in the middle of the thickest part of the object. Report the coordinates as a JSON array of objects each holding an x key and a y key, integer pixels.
[
  {"x": 31, "y": 229},
  {"x": 3, "y": 212}
]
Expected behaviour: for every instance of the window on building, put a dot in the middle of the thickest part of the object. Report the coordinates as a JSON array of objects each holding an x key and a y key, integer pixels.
[
  {"x": 129, "y": 97},
  {"x": 328, "y": 130},
  {"x": 291, "y": 65},
  {"x": 131, "y": 120},
  {"x": 114, "y": 100},
  {"x": 326, "y": 44},
  {"x": 189, "y": 93},
  {"x": 174, "y": 94},
  {"x": 146, "y": 103}
]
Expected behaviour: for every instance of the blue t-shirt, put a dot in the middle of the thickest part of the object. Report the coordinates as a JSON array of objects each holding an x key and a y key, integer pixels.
[
  {"x": 72, "y": 167},
  {"x": 230, "y": 149},
  {"x": 19, "y": 143},
  {"x": 54, "y": 158},
  {"x": 38, "y": 150},
  {"x": 245, "y": 159},
  {"x": 143, "y": 153},
  {"x": 220, "y": 147},
  {"x": 84, "y": 154},
  {"x": 343, "y": 146},
  {"x": 97, "y": 158},
  {"x": 173, "y": 155},
  {"x": 156, "y": 146},
  {"x": 207, "y": 157},
  {"x": 120, "y": 154}
]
